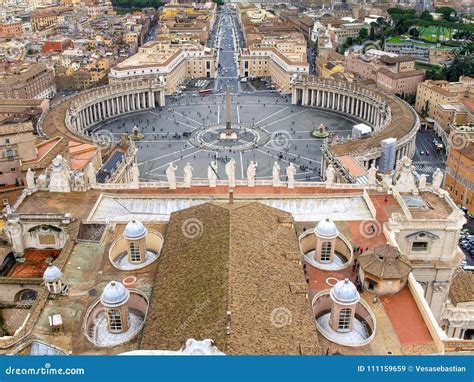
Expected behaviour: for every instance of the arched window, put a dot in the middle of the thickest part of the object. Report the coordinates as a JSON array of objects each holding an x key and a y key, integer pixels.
[
  {"x": 115, "y": 320},
  {"x": 26, "y": 295},
  {"x": 135, "y": 253},
  {"x": 345, "y": 315},
  {"x": 326, "y": 251}
]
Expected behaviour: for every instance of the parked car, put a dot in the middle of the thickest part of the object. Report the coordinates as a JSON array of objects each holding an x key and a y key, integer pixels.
[{"x": 468, "y": 268}]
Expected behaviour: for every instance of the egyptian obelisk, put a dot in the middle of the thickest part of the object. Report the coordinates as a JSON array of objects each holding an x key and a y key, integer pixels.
[{"x": 228, "y": 133}]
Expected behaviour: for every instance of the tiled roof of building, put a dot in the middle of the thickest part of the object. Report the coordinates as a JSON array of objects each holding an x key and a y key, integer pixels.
[
  {"x": 25, "y": 73},
  {"x": 16, "y": 128},
  {"x": 393, "y": 60},
  {"x": 397, "y": 75},
  {"x": 462, "y": 288},
  {"x": 385, "y": 262},
  {"x": 235, "y": 271}
]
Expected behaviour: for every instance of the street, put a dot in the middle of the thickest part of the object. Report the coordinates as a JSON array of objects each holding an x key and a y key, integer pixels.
[
  {"x": 226, "y": 43},
  {"x": 427, "y": 159}
]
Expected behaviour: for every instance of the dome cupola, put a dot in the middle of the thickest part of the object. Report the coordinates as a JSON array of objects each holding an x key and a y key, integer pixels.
[
  {"x": 114, "y": 294},
  {"x": 52, "y": 274},
  {"x": 345, "y": 293},
  {"x": 326, "y": 229},
  {"x": 135, "y": 230}
]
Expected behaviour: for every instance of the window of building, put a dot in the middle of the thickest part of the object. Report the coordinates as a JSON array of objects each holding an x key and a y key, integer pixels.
[
  {"x": 134, "y": 253},
  {"x": 27, "y": 295},
  {"x": 326, "y": 251},
  {"x": 344, "y": 323},
  {"x": 115, "y": 320},
  {"x": 419, "y": 246}
]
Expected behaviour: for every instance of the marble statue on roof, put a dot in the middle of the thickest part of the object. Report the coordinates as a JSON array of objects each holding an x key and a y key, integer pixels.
[
  {"x": 171, "y": 176},
  {"x": 230, "y": 172},
  {"x": 30, "y": 179},
  {"x": 437, "y": 180},
  {"x": 290, "y": 173},
  {"x": 276, "y": 175},
  {"x": 251, "y": 173},
  {"x": 188, "y": 175},
  {"x": 212, "y": 174},
  {"x": 59, "y": 176},
  {"x": 91, "y": 175}
]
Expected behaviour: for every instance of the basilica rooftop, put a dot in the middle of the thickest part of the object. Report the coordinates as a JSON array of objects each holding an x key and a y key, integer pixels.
[{"x": 230, "y": 270}]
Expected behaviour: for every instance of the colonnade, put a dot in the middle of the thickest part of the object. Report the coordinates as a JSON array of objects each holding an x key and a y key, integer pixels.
[
  {"x": 113, "y": 100},
  {"x": 361, "y": 107}
]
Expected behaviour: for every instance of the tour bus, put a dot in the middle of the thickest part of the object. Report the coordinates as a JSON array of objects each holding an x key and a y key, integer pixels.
[{"x": 205, "y": 92}]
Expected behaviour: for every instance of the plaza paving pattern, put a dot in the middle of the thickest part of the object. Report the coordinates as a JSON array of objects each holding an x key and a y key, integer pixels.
[{"x": 169, "y": 133}]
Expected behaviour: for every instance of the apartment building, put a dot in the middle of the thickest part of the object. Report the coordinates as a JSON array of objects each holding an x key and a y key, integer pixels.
[
  {"x": 186, "y": 22},
  {"x": 266, "y": 61},
  {"x": 16, "y": 145},
  {"x": 346, "y": 30},
  {"x": 11, "y": 28},
  {"x": 427, "y": 53},
  {"x": 430, "y": 94},
  {"x": 459, "y": 178},
  {"x": 170, "y": 62},
  {"x": 44, "y": 18},
  {"x": 27, "y": 81},
  {"x": 455, "y": 113},
  {"x": 391, "y": 72},
  {"x": 331, "y": 66}
]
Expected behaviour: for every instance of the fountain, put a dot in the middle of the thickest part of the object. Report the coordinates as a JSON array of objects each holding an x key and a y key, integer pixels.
[
  {"x": 321, "y": 132},
  {"x": 136, "y": 135}
]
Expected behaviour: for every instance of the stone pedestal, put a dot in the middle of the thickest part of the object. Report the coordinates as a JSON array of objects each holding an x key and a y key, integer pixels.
[{"x": 228, "y": 136}]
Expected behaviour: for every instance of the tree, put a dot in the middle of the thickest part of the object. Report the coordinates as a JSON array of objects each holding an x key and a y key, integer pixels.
[
  {"x": 137, "y": 3},
  {"x": 363, "y": 34},
  {"x": 425, "y": 109},
  {"x": 426, "y": 15},
  {"x": 414, "y": 32},
  {"x": 461, "y": 66},
  {"x": 347, "y": 43},
  {"x": 449, "y": 14},
  {"x": 433, "y": 74},
  {"x": 372, "y": 31}
]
